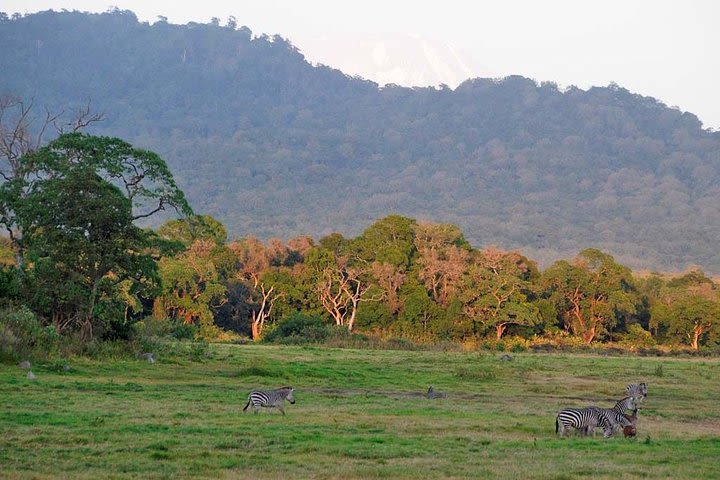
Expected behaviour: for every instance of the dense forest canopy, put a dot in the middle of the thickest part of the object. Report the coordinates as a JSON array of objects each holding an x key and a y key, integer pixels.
[{"x": 271, "y": 145}]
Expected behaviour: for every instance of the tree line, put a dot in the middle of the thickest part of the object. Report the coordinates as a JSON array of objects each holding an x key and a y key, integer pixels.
[
  {"x": 76, "y": 258},
  {"x": 425, "y": 282}
]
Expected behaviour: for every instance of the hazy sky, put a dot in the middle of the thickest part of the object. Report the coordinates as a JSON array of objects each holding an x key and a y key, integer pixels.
[{"x": 666, "y": 49}]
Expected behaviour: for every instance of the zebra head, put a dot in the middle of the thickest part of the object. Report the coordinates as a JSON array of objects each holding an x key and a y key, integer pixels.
[
  {"x": 637, "y": 390},
  {"x": 289, "y": 395},
  {"x": 627, "y": 403}
]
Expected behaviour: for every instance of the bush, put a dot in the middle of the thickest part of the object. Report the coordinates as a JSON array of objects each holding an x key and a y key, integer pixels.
[
  {"x": 22, "y": 336},
  {"x": 165, "y": 328},
  {"x": 299, "y": 328},
  {"x": 637, "y": 336},
  {"x": 519, "y": 345}
]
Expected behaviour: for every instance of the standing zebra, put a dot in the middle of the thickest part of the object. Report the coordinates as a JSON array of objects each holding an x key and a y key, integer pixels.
[
  {"x": 583, "y": 419},
  {"x": 637, "y": 390},
  {"x": 615, "y": 415},
  {"x": 270, "y": 399}
]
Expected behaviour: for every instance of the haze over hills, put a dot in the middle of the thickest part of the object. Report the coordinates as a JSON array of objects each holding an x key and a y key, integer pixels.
[{"x": 274, "y": 146}]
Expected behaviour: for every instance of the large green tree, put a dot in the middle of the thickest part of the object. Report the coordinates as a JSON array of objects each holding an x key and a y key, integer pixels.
[
  {"x": 81, "y": 242},
  {"x": 685, "y": 308},
  {"x": 590, "y": 293},
  {"x": 495, "y": 291},
  {"x": 73, "y": 203}
]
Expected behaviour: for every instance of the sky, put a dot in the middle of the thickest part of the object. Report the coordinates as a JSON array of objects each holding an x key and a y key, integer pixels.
[{"x": 666, "y": 49}]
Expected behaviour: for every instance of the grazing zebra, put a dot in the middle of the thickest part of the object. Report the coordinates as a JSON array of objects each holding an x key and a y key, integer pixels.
[
  {"x": 270, "y": 399},
  {"x": 637, "y": 390},
  {"x": 583, "y": 419},
  {"x": 616, "y": 415},
  {"x": 432, "y": 393}
]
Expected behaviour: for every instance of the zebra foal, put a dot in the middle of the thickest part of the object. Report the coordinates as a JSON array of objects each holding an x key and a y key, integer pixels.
[{"x": 270, "y": 399}]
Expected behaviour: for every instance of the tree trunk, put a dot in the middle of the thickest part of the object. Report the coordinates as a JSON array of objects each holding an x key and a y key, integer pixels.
[
  {"x": 588, "y": 335},
  {"x": 697, "y": 331},
  {"x": 255, "y": 331},
  {"x": 351, "y": 321},
  {"x": 86, "y": 328},
  {"x": 500, "y": 329}
]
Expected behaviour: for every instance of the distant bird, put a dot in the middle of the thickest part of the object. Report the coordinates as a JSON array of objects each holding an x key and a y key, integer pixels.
[
  {"x": 25, "y": 365},
  {"x": 150, "y": 357},
  {"x": 432, "y": 394},
  {"x": 31, "y": 375},
  {"x": 506, "y": 358}
]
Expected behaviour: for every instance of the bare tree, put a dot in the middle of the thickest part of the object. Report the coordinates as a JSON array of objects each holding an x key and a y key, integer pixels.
[
  {"x": 265, "y": 301},
  {"x": 22, "y": 131},
  {"x": 340, "y": 291},
  {"x": 254, "y": 259},
  {"x": 390, "y": 278}
]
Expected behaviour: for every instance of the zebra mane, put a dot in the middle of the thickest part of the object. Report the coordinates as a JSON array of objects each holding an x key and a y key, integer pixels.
[{"x": 286, "y": 388}]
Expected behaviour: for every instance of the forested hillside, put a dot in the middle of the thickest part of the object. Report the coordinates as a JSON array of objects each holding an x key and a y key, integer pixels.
[{"x": 273, "y": 146}]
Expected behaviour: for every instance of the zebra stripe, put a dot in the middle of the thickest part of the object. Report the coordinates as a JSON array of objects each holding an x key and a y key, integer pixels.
[
  {"x": 583, "y": 419},
  {"x": 270, "y": 399},
  {"x": 616, "y": 415},
  {"x": 637, "y": 390}
]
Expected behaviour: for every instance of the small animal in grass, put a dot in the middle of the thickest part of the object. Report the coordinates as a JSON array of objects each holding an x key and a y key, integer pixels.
[
  {"x": 270, "y": 399},
  {"x": 631, "y": 430},
  {"x": 432, "y": 393}
]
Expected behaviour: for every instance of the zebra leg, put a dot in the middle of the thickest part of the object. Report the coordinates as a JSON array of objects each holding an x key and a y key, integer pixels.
[
  {"x": 256, "y": 409},
  {"x": 282, "y": 410}
]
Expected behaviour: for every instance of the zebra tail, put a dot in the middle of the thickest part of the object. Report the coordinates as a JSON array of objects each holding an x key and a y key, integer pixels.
[
  {"x": 246, "y": 406},
  {"x": 557, "y": 425}
]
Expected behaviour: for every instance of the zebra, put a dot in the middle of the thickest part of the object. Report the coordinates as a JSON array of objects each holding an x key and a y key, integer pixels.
[
  {"x": 615, "y": 415},
  {"x": 583, "y": 419},
  {"x": 637, "y": 390},
  {"x": 270, "y": 399},
  {"x": 432, "y": 393}
]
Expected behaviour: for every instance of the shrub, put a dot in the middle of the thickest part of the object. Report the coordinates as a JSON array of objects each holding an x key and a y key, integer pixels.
[
  {"x": 637, "y": 336},
  {"x": 299, "y": 328},
  {"x": 22, "y": 336}
]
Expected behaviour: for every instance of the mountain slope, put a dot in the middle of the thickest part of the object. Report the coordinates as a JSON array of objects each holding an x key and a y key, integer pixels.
[{"x": 273, "y": 146}]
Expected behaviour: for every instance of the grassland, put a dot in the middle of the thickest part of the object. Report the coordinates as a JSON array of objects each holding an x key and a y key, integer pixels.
[{"x": 359, "y": 414}]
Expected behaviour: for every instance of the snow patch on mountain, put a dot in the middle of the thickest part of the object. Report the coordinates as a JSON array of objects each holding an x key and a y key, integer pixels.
[{"x": 407, "y": 60}]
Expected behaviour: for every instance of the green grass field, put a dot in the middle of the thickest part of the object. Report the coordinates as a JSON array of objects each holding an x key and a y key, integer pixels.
[{"x": 359, "y": 414}]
